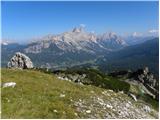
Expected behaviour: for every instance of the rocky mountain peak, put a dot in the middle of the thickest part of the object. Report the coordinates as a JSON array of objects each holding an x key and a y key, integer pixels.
[
  {"x": 109, "y": 35},
  {"x": 77, "y": 30},
  {"x": 76, "y": 40},
  {"x": 112, "y": 35}
]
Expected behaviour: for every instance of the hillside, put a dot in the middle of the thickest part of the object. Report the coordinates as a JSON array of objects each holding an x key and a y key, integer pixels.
[
  {"x": 42, "y": 95},
  {"x": 133, "y": 57}
]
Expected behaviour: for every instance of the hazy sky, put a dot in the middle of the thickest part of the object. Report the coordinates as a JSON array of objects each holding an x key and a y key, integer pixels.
[{"x": 23, "y": 20}]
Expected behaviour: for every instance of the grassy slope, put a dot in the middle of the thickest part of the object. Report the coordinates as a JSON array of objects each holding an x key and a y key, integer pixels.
[{"x": 37, "y": 95}]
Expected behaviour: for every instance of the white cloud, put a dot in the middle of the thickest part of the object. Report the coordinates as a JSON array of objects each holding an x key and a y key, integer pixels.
[{"x": 153, "y": 31}]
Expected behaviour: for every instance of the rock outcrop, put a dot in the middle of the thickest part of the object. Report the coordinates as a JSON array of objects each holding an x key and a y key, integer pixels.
[
  {"x": 148, "y": 80},
  {"x": 145, "y": 77},
  {"x": 142, "y": 76},
  {"x": 77, "y": 78},
  {"x": 21, "y": 61}
]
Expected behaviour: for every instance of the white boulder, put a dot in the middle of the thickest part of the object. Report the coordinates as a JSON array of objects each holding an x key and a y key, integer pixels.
[
  {"x": 20, "y": 60},
  {"x": 9, "y": 84}
]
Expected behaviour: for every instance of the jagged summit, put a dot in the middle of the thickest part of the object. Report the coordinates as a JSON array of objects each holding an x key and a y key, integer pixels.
[
  {"x": 78, "y": 40},
  {"x": 77, "y": 30},
  {"x": 111, "y": 40}
]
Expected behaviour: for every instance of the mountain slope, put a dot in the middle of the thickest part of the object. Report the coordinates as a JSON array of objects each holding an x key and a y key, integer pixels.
[
  {"x": 133, "y": 40},
  {"x": 111, "y": 41},
  {"x": 40, "y": 95},
  {"x": 71, "y": 41},
  {"x": 78, "y": 40},
  {"x": 133, "y": 57},
  {"x": 72, "y": 47}
]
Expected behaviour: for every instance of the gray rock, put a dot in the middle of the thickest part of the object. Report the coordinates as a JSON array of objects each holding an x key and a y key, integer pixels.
[
  {"x": 20, "y": 60},
  {"x": 77, "y": 30},
  {"x": 133, "y": 96},
  {"x": 127, "y": 105},
  {"x": 148, "y": 80},
  {"x": 88, "y": 111},
  {"x": 145, "y": 71},
  {"x": 9, "y": 84},
  {"x": 80, "y": 79},
  {"x": 147, "y": 109}
]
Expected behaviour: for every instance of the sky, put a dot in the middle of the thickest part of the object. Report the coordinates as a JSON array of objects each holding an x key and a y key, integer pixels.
[{"x": 25, "y": 20}]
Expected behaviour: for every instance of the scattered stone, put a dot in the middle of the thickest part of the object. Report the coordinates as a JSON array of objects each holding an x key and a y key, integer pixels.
[
  {"x": 133, "y": 96},
  {"x": 110, "y": 90},
  {"x": 121, "y": 92},
  {"x": 88, "y": 111},
  {"x": 55, "y": 111},
  {"x": 147, "y": 109},
  {"x": 127, "y": 105},
  {"x": 9, "y": 84},
  {"x": 21, "y": 61},
  {"x": 75, "y": 114},
  {"x": 109, "y": 106},
  {"x": 62, "y": 95},
  {"x": 80, "y": 83},
  {"x": 59, "y": 77},
  {"x": 100, "y": 101},
  {"x": 104, "y": 93},
  {"x": 112, "y": 107}
]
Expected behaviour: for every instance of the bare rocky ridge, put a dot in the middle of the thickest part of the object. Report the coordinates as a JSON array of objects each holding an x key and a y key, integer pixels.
[
  {"x": 76, "y": 40},
  {"x": 20, "y": 60},
  {"x": 141, "y": 77}
]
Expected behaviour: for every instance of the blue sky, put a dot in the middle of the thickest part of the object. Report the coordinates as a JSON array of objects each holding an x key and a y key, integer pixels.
[{"x": 24, "y": 20}]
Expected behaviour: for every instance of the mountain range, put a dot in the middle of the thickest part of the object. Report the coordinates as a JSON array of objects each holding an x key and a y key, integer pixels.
[
  {"x": 77, "y": 40},
  {"x": 78, "y": 47}
]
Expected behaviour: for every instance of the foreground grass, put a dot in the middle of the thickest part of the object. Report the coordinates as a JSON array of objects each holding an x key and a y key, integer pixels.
[
  {"x": 37, "y": 95},
  {"x": 41, "y": 95}
]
